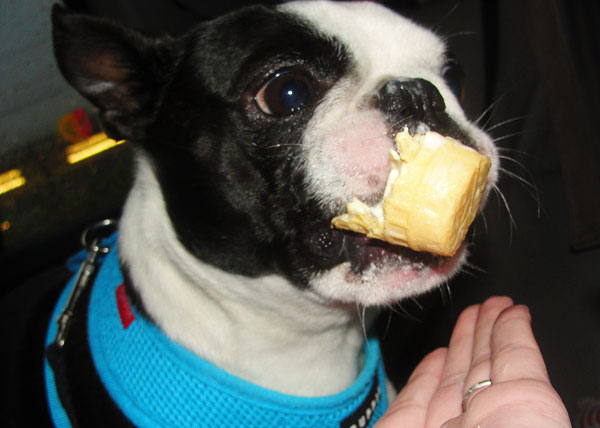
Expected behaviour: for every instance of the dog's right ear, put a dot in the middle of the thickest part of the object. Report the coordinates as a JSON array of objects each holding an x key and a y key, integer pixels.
[{"x": 119, "y": 70}]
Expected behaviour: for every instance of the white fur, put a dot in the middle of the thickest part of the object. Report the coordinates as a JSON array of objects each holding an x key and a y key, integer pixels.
[
  {"x": 265, "y": 330},
  {"x": 386, "y": 284},
  {"x": 384, "y": 46}
]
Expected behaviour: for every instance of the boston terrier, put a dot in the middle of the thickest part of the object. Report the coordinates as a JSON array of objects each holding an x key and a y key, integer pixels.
[{"x": 227, "y": 299}]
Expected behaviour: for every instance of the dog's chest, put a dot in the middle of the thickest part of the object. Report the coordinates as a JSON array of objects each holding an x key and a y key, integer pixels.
[{"x": 156, "y": 382}]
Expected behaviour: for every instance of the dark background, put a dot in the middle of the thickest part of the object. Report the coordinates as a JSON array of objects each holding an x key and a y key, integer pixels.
[{"x": 532, "y": 81}]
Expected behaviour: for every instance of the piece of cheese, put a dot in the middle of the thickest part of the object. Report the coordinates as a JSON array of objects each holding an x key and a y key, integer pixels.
[{"x": 431, "y": 196}]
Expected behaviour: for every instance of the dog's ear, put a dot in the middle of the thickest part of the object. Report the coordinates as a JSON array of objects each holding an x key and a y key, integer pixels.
[{"x": 119, "y": 70}]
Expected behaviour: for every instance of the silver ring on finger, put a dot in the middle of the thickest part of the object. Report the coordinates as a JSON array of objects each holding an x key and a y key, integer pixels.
[{"x": 472, "y": 390}]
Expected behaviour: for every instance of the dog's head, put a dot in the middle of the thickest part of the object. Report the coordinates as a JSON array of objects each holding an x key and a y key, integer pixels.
[{"x": 258, "y": 127}]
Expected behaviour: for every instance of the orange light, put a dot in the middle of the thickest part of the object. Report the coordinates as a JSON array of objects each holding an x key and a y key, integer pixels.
[
  {"x": 91, "y": 146},
  {"x": 11, "y": 180}
]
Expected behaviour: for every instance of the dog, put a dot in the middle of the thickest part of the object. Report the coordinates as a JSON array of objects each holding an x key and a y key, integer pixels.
[{"x": 251, "y": 132}]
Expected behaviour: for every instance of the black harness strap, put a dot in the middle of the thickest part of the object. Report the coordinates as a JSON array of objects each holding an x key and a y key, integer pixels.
[
  {"x": 80, "y": 390},
  {"x": 79, "y": 387}
]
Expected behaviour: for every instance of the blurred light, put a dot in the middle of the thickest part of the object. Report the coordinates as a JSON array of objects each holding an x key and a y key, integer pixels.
[
  {"x": 4, "y": 226},
  {"x": 89, "y": 147},
  {"x": 11, "y": 180}
]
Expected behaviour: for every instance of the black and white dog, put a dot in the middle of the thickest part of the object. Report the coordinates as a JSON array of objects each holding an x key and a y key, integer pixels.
[{"x": 253, "y": 131}]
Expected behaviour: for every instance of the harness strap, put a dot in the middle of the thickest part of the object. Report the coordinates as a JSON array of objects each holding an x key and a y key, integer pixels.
[
  {"x": 80, "y": 391},
  {"x": 117, "y": 369},
  {"x": 75, "y": 385}
]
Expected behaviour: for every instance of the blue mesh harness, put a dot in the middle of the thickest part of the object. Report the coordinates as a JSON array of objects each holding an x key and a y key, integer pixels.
[{"x": 155, "y": 382}]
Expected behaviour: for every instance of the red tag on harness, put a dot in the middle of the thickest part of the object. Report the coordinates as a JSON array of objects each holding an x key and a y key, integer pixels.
[{"x": 125, "y": 312}]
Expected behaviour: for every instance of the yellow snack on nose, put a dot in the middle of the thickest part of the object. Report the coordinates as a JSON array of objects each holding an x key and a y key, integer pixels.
[{"x": 432, "y": 195}]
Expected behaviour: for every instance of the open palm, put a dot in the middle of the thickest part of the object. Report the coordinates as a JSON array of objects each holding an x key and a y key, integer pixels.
[{"x": 490, "y": 341}]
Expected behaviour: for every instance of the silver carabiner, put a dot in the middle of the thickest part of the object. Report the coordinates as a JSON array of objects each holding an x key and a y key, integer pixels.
[{"x": 91, "y": 241}]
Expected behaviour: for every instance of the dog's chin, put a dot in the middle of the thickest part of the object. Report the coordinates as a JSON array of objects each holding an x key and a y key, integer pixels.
[{"x": 375, "y": 273}]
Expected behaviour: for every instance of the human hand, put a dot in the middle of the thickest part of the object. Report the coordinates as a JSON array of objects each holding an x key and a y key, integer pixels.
[{"x": 490, "y": 341}]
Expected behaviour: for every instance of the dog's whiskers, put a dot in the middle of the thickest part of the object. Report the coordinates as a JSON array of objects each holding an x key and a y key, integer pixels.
[
  {"x": 344, "y": 250},
  {"x": 451, "y": 11},
  {"x": 459, "y": 34},
  {"x": 473, "y": 266},
  {"x": 506, "y": 122},
  {"x": 446, "y": 293},
  {"x": 361, "y": 311},
  {"x": 400, "y": 310},
  {"x": 504, "y": 202},
  {"x": 388, "y": 323},
  {"x": 520, "y": 152},
  {"x": 528, "y": 185},
  {"x": 514, "y": 134},
  {"x": 518, "y": 178},
  {"x": 468, "y": 268},
  {"x": 513, "y": 160},
  {"x": 488, "y": 111},
  {"x": 278, "y": 146},
  {"x": 416, "y": 302},
  {"x": 484, "y": 220}
]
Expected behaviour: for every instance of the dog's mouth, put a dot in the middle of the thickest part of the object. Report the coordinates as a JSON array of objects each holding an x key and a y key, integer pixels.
[
  {"x": 363, "y": 255},
  {"x": 351, "y": 268}
]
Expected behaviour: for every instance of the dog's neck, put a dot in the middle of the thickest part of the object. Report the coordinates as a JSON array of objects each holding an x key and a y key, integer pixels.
[{"x": 263, "y": 330}]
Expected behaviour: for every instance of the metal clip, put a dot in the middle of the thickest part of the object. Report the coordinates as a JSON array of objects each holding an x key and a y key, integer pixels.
[{"x": 91, "y": 241}]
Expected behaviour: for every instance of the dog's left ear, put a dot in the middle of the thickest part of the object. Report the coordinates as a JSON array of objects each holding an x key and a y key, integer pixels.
[{"x": 119, "y": 70}]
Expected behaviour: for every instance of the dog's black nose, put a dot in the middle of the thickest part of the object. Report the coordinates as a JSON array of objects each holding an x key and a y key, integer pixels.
[{"x": 407, "y": 102}]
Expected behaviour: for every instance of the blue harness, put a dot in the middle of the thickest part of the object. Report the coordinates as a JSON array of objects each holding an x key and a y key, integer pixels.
[{"x": 158, "y": 383}]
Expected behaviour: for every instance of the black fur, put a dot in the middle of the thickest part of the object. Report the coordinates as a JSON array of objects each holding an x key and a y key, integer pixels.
[{"x": 230, "y": 173}]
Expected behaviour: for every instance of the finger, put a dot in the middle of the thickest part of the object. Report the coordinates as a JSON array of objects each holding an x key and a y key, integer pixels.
[
  {"x": 410, "y": 407},
  {"x": 481, "y": 363},
  {"x": 523, "y": 403},
  {"x": 515, "y": 353},
  {"x": 446, "y": 400}
]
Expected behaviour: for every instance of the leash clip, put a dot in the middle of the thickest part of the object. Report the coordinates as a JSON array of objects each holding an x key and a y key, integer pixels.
[{"x": 91, "y": 241}]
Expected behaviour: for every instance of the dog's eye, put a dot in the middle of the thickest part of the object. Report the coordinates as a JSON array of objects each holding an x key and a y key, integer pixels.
[
  {"x": 454, "y": 77},
  {"x": 285, "y": 93}
]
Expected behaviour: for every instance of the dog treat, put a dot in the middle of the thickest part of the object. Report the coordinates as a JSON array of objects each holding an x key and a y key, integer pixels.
[{"x": 431, "y": 196}]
